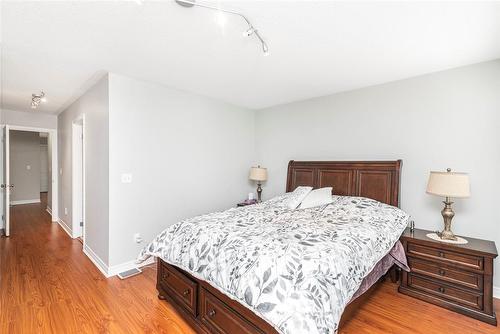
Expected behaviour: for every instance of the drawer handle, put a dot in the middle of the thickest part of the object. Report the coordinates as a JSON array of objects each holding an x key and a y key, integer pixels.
[
  {"x": 441, "y": 254},
  {"x": 442, "y": 272},
  {"x": 186, "y": 292},
  {"x": 211, "y": 313},
  {"x": 441, "y": 289}
]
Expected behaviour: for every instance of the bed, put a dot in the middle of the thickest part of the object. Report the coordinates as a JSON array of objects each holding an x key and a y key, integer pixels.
[{"x": 268, "y": 269}]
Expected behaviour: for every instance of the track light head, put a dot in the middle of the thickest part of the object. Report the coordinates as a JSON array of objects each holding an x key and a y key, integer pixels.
[
  {"x": 249, "y": 32},
  {"x": 186, "y": 3},
  {"x": 265, "y": 49}
]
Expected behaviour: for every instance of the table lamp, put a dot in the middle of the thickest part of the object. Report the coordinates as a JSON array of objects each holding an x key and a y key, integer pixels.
[
  {"x": 448, "y": 184},
  {"x": 258, "y": 174}
]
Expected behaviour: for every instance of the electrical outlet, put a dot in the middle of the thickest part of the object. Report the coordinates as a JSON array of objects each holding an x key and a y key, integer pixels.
[
  {"x": 137, "y": 238},
  {"x": 126, "y": 178}
]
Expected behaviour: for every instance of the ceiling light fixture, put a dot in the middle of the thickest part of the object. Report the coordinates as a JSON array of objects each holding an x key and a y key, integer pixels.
[
  {"x": 249, "y": 32},
  {"x": 36, "y": 99}
]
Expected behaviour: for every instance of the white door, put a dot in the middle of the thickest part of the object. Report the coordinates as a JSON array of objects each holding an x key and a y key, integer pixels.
[{"x": 6, "y": 181}]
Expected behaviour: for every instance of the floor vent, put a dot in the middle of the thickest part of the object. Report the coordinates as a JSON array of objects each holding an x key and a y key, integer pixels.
[{"x": 129, "y": 273}]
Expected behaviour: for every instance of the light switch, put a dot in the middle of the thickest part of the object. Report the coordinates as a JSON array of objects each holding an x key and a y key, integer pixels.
[
  {"x": 60, "y": 171},
  {"x": 28, "y": 167},
  {"x": 126, "y": 178}
]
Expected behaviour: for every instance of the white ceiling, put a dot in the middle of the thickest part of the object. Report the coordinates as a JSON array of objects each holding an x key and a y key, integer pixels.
[{"x": 316, "y": 47}]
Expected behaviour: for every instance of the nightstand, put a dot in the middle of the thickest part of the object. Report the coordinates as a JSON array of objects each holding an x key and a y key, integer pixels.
[{"x": 456, "y": 277}]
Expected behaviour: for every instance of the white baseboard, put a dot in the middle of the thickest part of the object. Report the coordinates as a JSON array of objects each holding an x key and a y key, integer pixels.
[
  {"x": 49, "y": 210},
  {"x": 65, "y": 227},
  {"x": 99, "y": 263},
  {"x": 25, "y": 201},
  {"x": 116, "y": 269},
  {"x": 496, "y": 292}
]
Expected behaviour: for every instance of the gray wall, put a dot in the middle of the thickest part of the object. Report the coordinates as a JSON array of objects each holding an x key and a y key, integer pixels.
[
  {"x": 447, "y": 119},
  {"x": 94, "y": 104},
  {"x": 24, "y": 151},
  {"x": 33, "y": 119},
  {"x": 187, "y": 155}
]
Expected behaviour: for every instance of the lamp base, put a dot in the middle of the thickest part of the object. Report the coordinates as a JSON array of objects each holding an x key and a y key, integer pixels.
[
  {"x": 259, "y": 193},
  {"x": 435, "y": 236},
  {"x": 447, "y": 235},
  {"x": 448, "y": 215}
]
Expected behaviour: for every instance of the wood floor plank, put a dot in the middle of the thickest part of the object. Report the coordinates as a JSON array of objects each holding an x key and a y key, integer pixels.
[{"x": 47, "y": 285}]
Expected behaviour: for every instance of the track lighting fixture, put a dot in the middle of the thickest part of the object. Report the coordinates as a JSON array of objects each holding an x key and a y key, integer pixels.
[
  {"x": 36, "y": 99},
  {"x": 247, "y": 33}
]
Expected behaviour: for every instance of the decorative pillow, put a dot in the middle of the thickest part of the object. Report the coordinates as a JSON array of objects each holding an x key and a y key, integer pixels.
[
  {"x": 297, "y": 196},
  {"x": 317, "y": 197}
]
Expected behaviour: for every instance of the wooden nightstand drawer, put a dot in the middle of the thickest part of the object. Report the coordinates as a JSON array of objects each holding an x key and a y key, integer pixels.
[
  {"x": 442, "y": 290},
  {"x": 446, "y": 256},
  {"x": 452, "y": 275}
]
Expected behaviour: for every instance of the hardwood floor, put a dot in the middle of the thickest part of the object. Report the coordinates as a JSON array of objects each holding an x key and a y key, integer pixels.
[{"x": 47, "y": 285}]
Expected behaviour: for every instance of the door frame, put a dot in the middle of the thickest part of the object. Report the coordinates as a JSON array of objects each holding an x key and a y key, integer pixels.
[
  {"x": 54, "y": 167},
  {"x": 79, "y": 121}
]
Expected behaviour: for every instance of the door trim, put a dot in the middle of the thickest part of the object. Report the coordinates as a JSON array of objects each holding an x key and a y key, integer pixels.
[{"x": 77, "y": 231}]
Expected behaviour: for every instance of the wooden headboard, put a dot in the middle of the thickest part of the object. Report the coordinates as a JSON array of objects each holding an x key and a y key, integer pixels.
[{"x": 378, "y": 180}]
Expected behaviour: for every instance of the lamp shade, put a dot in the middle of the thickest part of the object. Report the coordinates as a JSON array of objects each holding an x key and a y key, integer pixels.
[
  {"x": 448, "y": 184},
  {"x": 258, "y": 174}
]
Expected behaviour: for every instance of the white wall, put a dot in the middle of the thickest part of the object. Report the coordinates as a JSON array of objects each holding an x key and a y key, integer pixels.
[
  {"x": 187, "y": 154},
  {"x": 30, "y": 119},
  {"x": 24, "y": 152},
  {"x": 95, "y": 105},
  {"x": 447, "y": 119}
]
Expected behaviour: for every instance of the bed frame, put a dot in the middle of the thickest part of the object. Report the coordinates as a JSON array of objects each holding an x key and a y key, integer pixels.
[{"x": 210, "y": 311}]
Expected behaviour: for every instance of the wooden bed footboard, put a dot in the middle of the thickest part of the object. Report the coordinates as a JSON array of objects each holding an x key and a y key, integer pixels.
[{"x": 208, "y": 310}]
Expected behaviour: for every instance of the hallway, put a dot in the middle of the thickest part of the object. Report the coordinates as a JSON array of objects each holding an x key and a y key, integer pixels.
[{"x": 47, "y": 285}]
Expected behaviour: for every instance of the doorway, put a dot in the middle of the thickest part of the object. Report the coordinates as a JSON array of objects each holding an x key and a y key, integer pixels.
[
  {"x": 24, "y": 179},
  {"x": 78, "y": 179}
]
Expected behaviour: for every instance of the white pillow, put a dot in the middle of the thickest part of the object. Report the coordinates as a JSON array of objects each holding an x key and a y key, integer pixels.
[
  {"x": 317, "y": 197},
  {"x": 297, "y": 196}
]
